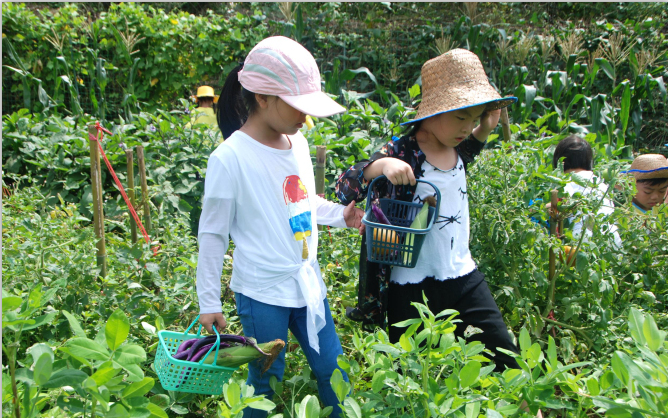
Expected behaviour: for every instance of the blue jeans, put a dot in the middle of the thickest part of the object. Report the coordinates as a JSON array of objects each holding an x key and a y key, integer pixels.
[{"x": 268, "y": 322}]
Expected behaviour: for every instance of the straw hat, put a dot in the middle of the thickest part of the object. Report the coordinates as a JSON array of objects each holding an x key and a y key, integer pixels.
[
  {"x": 649, "y": 166},
  {"x": 456, "y": 80}
]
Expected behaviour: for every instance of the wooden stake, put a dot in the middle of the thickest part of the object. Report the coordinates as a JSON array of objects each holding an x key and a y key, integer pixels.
[
  {"x": 320, "y": 156},
  {"x": 98, "y": 210},
  {"x": 131, "y": 191},
  {"x": 505, "y": 124},
  {"x": 144, "y": 188}
]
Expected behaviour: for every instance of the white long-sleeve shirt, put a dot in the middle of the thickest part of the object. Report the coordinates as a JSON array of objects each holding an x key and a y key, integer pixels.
[{"x": 264, "y": 199}]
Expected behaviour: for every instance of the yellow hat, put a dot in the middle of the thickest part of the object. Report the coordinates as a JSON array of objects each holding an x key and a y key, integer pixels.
[{"x": 205, "y": 91}]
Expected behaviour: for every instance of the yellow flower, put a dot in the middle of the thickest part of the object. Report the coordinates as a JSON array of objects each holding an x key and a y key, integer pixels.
[
  {"x": 309, "y": 122},
  {"x": 154, "y": 82},
  {"x": 174, "y": 21}
]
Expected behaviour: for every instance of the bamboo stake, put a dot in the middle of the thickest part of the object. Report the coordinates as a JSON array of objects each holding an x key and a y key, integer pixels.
[
  {"x": 98, "y": 210},
  {"x": 320, "y": 155},
  {"x": 131, "y": 191},
  {"x": 505, "y": 124},
  {"x": 144, "y": 188}
]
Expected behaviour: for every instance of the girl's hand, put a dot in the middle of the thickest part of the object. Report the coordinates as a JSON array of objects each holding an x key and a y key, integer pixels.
[
  {"x": 398, "y": 172},
  {"x": 487, "y": 124},
  {"x": 209, "y": 319},
  {"x": 353, "y": 217}
]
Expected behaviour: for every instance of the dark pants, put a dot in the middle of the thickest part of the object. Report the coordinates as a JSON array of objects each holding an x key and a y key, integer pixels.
[{"x": 470, "y": 296}]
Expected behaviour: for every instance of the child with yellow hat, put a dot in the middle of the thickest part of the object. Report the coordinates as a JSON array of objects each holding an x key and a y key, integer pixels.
[
  {"x": 204, "y": 112},
  {"x": 651, "y": 174}
]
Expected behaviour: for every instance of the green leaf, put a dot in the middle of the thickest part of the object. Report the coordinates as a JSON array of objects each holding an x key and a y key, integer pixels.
[
  {"x": 10, "y": 303},
  {"x": 592, "y": 386},
  {"x": 104, "y": 374},
  {"x": 619, "y": 368},
  {"x": 88, "y": 349},
  {"x": 625, "y": 107},
  {"x": 140, "y": 388},
  {"x": 309, "y": 407},
  {"x": 37, "y": 350},
  {"x": 179, "y": 409},
  {"x": 352, "y": 408},
  {"x": 43, "y": 369},
  {"x": 117, "y": 329},
  {"x": 607, "y": 68},
  {"x": 130, "y": 354},
  {"x": 378, "y": 381},
  {"x": 41, "y": 320},
  {"x": 232, "y": 393},
  {"x": 161, "y": 401},
  {"x": 65, "y": 377},
  {"x": 552, "y": 352},
  {"x": 74, "y": 325},
  {"x": 472, "y": 409},
  {"x": 525, "y": 341},
  {"x": 139, "y": 412},
  {"x": 653, "y": 336},
  {"x": 261, "y": 403},
  {"x": 156, "y": 411},
  {"x": 414, "y": 91},
  {"x": 117, "y": 411},
  {"x": 636, "y": 321},
  {"x": 469, "y": 373}
]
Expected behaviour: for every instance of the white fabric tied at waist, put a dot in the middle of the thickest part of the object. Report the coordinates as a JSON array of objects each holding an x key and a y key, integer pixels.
[
  {"x": 306, "y": 277},
  {"x": 315, "y": 306}
]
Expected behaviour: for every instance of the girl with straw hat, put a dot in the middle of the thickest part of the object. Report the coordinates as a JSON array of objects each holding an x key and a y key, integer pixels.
[
  {"x": 459, "y": 110},
  {"x": 651, "y": 174}
]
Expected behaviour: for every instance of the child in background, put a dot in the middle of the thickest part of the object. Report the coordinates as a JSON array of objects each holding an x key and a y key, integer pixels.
[
  {"x": 651, "y": 174},
  {"x": 578, "y": 159},
  {"x": 442, "y": 141},
  {"x": 204, "y": 112},
  {"x": 260, "y": 191}
]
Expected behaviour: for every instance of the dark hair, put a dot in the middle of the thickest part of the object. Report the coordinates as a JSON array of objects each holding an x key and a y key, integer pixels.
[
  {"x": 577, "y": 153},
  {"x": 235, "y": 104},
  {"x": 653, "y": 182}
]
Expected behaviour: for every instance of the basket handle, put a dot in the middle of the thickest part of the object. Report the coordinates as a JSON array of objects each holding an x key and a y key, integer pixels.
[
  {"x": 199, "y": 331},
  {"x": 217, "y": 345},
  {"x": 382, "y": 176}
]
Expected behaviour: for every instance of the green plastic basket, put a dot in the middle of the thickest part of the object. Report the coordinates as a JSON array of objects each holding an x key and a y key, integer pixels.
[
  {"x": 396, "y": 244},
  {"x": 189, "y": 376}
]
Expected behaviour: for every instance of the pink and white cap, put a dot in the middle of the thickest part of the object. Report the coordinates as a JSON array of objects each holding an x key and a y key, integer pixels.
[{"x": 279, "y": 66}]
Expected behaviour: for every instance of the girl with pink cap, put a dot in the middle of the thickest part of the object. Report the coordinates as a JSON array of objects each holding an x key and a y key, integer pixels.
[{"x": 260, "y": 191}]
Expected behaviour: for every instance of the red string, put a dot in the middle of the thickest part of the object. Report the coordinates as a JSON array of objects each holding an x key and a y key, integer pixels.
[{"x": 100, "y": 130}]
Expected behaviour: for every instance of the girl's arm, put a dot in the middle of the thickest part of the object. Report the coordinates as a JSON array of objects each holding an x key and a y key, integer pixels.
[
  {"x": 353, "y": 184},
  {"x": 218, "y": 212}
]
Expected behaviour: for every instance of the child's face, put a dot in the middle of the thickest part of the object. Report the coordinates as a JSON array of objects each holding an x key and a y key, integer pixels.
[
  {"x": 284, "y": 118},
  {"x": 451, "y": 128},
  {"x": 650, "y": 196}
]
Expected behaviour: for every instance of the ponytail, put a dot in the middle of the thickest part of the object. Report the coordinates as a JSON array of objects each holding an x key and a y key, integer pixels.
[{"x": 235, "y": 104}]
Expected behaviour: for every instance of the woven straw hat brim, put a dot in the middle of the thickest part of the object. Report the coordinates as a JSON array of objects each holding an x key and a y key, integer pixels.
[
  {"x": 649, "y": 166},
  {"x": 492, "y": 105},
  {"x": 456, "y": 80}
]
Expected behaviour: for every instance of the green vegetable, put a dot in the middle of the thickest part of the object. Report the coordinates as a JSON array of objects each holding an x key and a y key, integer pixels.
[
  {"x": 238, "y": 355},
  {"x": 420, "y": 222}
]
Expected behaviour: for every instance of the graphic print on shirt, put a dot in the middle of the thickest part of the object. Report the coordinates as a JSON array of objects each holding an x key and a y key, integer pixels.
[
  {"x": 299, "y": 209},
  {"x": 447, "y": 220}
]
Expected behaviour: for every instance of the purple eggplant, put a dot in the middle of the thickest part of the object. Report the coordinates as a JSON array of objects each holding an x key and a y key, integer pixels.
[
  {"x": 181, "y": 356},
  {"x": 202, "y": 351},
  {"x": 380, "y": 216},
  {"x": 199, "y": 343},
  {"x": 186, "y": 345}
]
